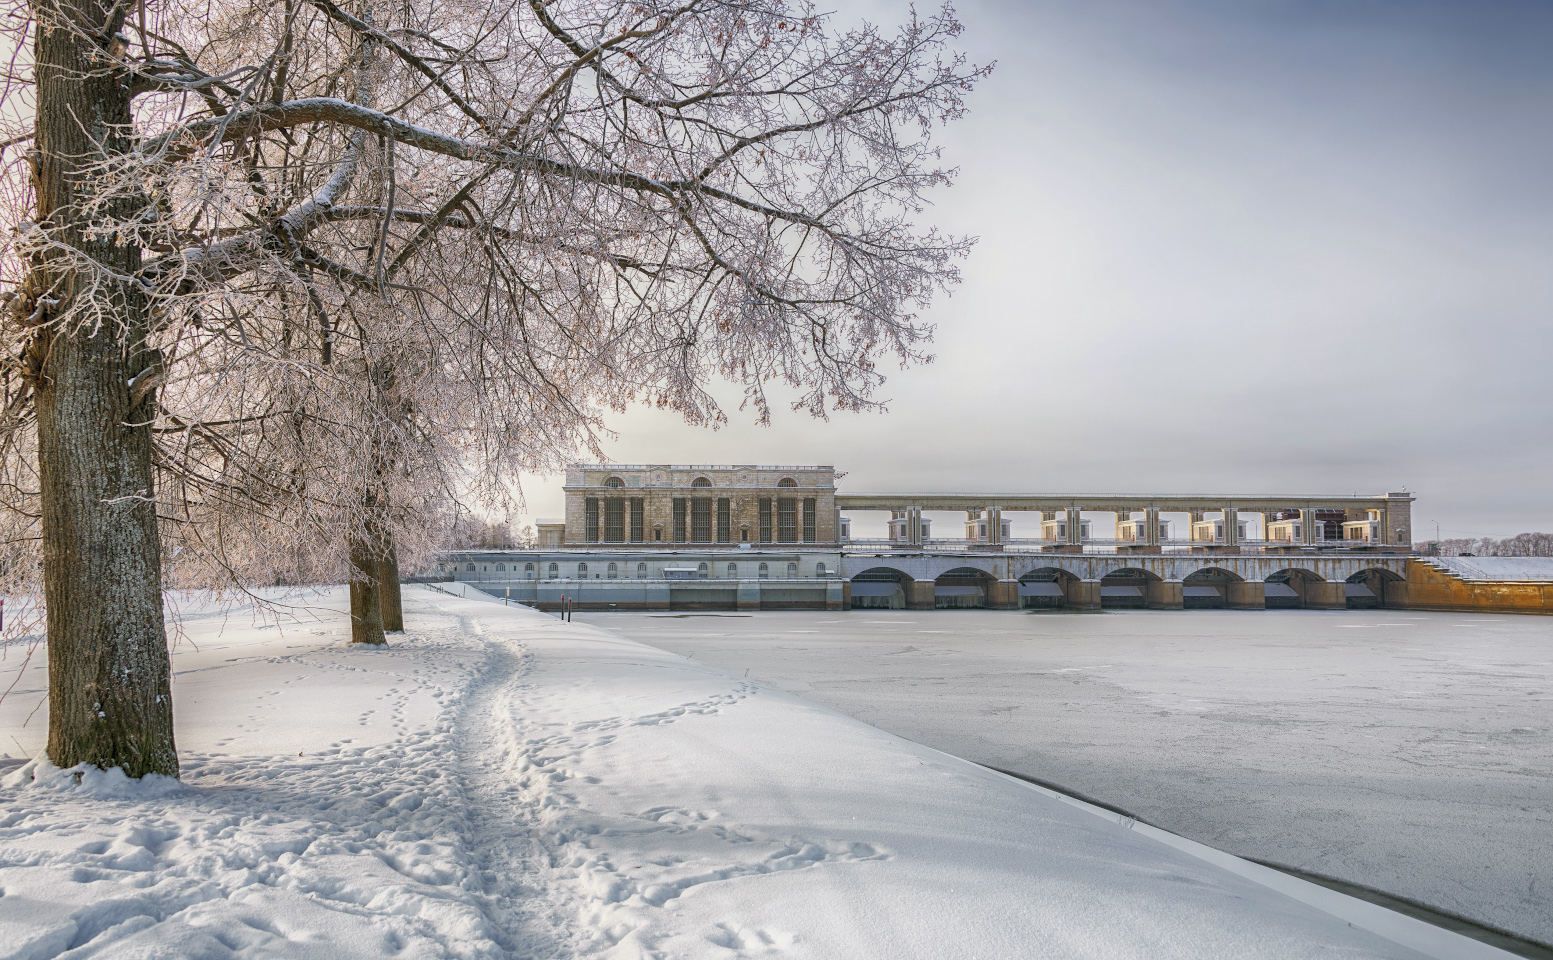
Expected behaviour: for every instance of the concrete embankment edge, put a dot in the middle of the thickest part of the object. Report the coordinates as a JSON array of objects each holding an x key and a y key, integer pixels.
[{"x": 1427, "y": 938}]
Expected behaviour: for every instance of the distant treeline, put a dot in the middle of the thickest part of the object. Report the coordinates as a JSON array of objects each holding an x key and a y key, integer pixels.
[
  {"x": 1520, "y": 545},
  {"x": 472, "y": 533}
]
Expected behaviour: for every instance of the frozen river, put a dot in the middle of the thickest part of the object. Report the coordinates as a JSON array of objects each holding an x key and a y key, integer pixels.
[{"x": 1409, "y": 752}]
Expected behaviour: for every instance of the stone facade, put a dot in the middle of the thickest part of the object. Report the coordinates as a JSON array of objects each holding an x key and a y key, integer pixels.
[
  {"x": 624, "y": 578},
  {"x": 665, "y": 506},
  {"x": 1397, "y": 519}
]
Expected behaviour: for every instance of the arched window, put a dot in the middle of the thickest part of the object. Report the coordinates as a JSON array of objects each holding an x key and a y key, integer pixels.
[
  {"x": 528, "y": 571},
  {"x": 614, "y": 482},
  {"x": 733, "y": 571},
  {"x": 701, "y": 482},
  {"x": 555, "y": 571},
  {"x": 792, "y": 571},
  {"x": 787, "y": 482},
  {"x": 641, "y": 571},
  {"x": 471, "y": 568},
  {"x": 702, "y": 571},
  {"x": 582, "y": 571},
  {"x": 614, "y": 572},
  {"x": 764, "y": 571},
  {"x": 819, "y": 569},
  {"x": 501, "y": 567}
]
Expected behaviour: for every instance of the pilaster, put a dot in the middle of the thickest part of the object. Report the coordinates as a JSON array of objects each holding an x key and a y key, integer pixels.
[
  {"x": 1083, "y": 594},
  {"x": 1326, "y": 595},
  {"x": 1163, "y": 595},
  {"x": 1248, "y": 595},
  {"x": 1003, "y": 595},
  {"x": 919, "y": 595}
]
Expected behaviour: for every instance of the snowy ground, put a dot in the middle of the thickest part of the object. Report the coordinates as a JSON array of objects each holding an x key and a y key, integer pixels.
[
  {"x": 1409, "y": 752},
  {"x": 1497, "y": 568},
  {"x": 497, "y": 783}
]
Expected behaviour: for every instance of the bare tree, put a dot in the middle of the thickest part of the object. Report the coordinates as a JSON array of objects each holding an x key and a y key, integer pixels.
[
  {"x": 1520, "y": 545},
  {"x": 287, "y": 274}
]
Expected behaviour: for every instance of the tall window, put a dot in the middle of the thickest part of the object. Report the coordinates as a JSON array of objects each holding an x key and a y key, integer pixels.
[
  {"x": 787, "y": 520},
  {"x": 615, "y": 519},
  {"x": 733, "y": 571},
  {"x": 702, "y": 571},
  {"x": 701, "y": 519},
  {"x": 528, "y": 571},
  {"x": 555, "y": 571},
  {"x": 641, "y": 571},
  {"x": 765, "y": 519},
  {"x": 501, "y": 567},
  {"x": 636, "y": 520},
  {"x": 819, "y": 569},
  {"x": 614, "y": 572},
  {"x": 724, "y": 520},
  {"x": 582, "y": 571},
  {"x": 792, "y": 571},
  {"x": 809, "y": 511},
  {"x": 590, "y": 512},
  {"x": 679, "y": 520},
  {"x": 765, "y": 571}
]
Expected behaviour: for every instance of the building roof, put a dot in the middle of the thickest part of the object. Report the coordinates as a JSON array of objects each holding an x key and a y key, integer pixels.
[{"x": 694, "y": 466}]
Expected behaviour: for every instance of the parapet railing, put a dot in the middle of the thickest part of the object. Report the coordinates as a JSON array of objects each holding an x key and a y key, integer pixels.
[{"x": 1092, "y": 545}]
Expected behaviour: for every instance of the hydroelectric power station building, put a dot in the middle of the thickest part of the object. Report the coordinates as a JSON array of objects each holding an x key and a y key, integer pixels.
[{"x": 754, "y": 537}]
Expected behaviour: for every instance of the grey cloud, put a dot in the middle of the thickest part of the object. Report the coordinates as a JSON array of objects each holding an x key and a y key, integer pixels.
[{"x": 1229, "y": 246}]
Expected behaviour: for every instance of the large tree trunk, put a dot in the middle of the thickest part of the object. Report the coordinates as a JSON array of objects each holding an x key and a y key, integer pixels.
[
  {"x": 110, "y": 703},
  {"x": 366, "y": 596},
  {"x": 388, "y": 584}
]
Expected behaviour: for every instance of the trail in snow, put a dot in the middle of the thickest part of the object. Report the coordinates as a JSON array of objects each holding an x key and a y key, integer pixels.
[
  {"x": 567, "y": 872},
  {"x": 507, "y": 857}
]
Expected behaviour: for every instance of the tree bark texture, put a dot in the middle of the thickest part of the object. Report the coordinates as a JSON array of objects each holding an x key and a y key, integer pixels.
[
  {"x": 388, "y": 584},
  {"x": 110, "y": 703},
  {"x": 366, "y": 595}
]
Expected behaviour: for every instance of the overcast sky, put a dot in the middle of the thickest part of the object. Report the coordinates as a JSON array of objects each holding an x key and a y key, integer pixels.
[{"x": 1241, "y": 247}]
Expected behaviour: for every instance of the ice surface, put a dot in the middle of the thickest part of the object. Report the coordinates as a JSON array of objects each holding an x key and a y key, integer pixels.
[
  {"x": 499, "y": 783},
  {"x": 1410, "y": 752}
]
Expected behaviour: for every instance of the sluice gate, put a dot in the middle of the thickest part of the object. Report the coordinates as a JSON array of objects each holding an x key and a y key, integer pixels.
[{"x": 930, "y": 581}]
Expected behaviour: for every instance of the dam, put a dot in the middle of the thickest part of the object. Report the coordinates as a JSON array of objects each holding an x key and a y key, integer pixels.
[{"x": 763, "y": 537}]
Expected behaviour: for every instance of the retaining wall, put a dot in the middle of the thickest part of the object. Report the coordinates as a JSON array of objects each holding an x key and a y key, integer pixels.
[{"x": 1428, "y": 588}]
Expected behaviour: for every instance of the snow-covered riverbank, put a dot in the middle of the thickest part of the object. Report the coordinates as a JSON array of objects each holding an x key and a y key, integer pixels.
[
  {"x": 1403, "y": 751},
  {"x": 497, "y": 783}
]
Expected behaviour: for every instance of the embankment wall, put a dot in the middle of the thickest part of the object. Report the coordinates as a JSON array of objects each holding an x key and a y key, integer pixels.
[{"x": 1428, "y": 588}]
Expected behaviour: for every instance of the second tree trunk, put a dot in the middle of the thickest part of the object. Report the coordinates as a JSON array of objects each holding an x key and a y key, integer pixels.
[
  {"x": 388, "y": 584},
  {"x": 366, "y": 595}
]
